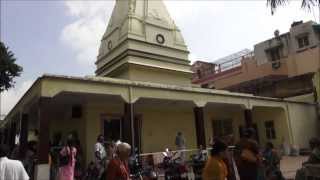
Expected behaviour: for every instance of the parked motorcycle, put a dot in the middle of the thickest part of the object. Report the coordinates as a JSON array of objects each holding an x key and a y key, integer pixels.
[
  {"x": 174, "y": 168},
  {"x": 135, "y": 166},
  {"x": 137, "y": 172},
  {"x": 198, "y": 162}
]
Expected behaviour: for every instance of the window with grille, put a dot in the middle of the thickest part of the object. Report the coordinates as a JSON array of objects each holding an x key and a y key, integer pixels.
[
  {"x": 274, "y": 54},
  {"x": 270, "y": 130},
  {"x": 111, "y": 129},
  {"x": 303, "y": 41},
  {"x": 222, "y": 127}
]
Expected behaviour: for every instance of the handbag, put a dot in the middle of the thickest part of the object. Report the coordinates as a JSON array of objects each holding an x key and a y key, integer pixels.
[{"x": 248, "y": 155}]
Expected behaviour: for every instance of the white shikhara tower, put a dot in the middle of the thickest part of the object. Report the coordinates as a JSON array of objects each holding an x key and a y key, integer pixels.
[{"x": 142, "y": 43}]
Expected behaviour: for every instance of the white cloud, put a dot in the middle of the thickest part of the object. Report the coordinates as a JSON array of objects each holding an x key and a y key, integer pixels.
[
  {"x": 84, "y": 34},
  {"x": 212, "y": 29},
  {"x": 10, "y": 98}
]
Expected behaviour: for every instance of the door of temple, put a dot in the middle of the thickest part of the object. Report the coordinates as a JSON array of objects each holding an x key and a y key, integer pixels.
[{"x": 111, "y": 128}]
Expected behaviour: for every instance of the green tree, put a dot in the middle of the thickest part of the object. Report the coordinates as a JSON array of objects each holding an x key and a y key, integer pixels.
[
  {"x": 305, "y": 4},
  {"x": 8, "y": 68}
]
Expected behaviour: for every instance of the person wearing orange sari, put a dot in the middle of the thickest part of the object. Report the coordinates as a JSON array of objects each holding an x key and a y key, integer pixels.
[{"x": 215, "y": 168}]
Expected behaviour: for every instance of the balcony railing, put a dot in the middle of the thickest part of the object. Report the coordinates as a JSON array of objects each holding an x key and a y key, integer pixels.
[
  {"x": 222, "y": 65},
  {"x": 233, "y": 62}
]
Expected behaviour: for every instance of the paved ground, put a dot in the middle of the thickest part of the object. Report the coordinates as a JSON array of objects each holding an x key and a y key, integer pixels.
[{"x": 290, "y": 164}]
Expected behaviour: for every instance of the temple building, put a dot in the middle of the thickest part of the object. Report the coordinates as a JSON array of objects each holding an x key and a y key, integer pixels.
[{"x": 142, "y": 94}]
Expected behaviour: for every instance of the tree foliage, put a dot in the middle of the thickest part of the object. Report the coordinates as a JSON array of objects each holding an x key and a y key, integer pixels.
[
  {"x": 305, "y": 4},
  {"x": 8, "y": 68}
]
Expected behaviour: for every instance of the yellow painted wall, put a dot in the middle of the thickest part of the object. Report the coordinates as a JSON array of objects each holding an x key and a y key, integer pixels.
[
  {"x": 65, "y": 124},
  {"x": 52, "y": 87},
  {"x": 303, "y": 123},
  {"x": 160, "y": 126},
  {"x": 121, "y": 73},
  {"x": 278, "y": 116},
  {"x": 142, "y": 73},
  {"x": 221, "y": 113},
  {"x": 88, "y": 127},
  {"x": 93, "y": 124},
  {"x": 160, "y": 123}
]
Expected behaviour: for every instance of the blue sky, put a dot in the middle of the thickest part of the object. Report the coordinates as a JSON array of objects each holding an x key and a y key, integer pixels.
[{"x": 62, "y": 37}]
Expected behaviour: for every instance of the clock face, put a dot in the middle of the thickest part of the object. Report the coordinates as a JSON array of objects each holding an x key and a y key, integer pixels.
[
  {"x": 109, "y": 45},
  {"x": 160, "y": 38}
]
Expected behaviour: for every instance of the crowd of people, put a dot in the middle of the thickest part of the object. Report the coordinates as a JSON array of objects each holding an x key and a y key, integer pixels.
[
  {"x": 65, "y": 160},
  {"x": 246, "y": 161},
  {"x": 110, "y": 161}
]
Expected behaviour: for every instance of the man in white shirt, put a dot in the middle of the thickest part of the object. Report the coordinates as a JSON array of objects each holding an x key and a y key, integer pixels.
[
  {"x": 100, "y": 154},
  {"x": 10, "y": 169}
]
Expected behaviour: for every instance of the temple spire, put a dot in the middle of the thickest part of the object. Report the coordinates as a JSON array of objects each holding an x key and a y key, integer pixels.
[{"x": 141, "y": 33}]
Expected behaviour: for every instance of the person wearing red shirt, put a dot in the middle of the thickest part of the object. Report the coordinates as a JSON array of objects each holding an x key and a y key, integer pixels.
[{"x": 118, "y": 168}]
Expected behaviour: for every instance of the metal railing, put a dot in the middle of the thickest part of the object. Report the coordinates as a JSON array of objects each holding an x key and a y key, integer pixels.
[
  {"x": 233, "y": 62},
  {"x": 189, "y": 153},
  {"x": 223, "y": 64}
]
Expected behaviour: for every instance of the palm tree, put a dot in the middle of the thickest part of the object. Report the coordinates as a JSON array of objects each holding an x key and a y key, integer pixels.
[{"x": 306, "y": 4}]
